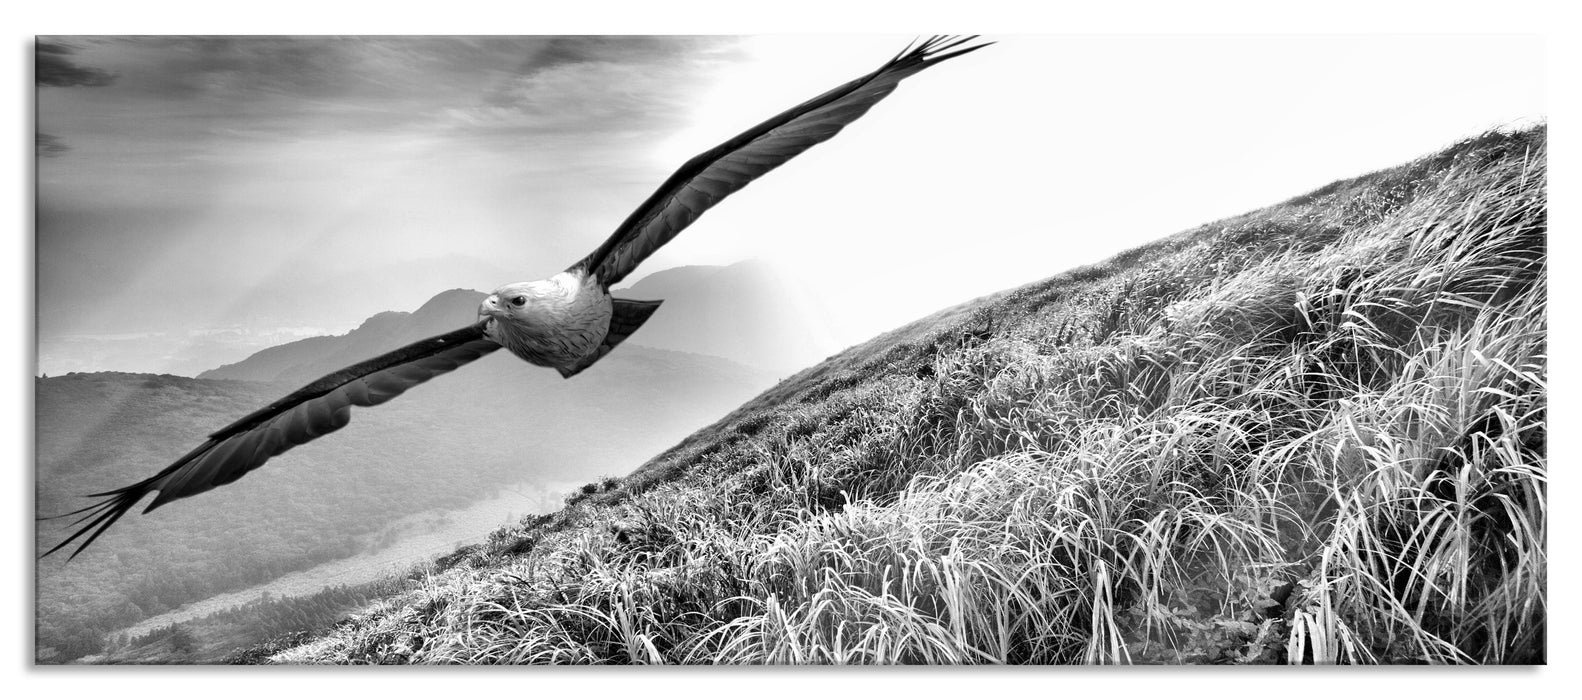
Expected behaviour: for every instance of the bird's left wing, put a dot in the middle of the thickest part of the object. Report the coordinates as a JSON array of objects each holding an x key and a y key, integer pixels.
[
  {"x": 321, "y": 407},
  {"x": 714, "y": 174}
]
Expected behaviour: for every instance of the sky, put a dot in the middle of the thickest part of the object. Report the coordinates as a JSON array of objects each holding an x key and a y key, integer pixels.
[{"x": 196, "y": 183}]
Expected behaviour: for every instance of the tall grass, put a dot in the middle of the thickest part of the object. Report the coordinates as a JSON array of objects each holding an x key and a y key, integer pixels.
[{"x": 1312, "y": 434}]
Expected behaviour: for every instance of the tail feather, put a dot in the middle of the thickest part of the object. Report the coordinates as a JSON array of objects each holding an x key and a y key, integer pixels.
[{"x": 625, "y": 318}]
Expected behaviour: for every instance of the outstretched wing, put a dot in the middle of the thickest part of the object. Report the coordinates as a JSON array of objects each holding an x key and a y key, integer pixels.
[
  {"x": 714, "y": 174},
  {"x": 321, "y": 407}
]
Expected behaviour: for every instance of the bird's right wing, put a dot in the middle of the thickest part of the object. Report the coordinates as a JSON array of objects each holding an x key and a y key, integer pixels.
[
  {"x": 713, "y": 175},
  {"x": 321, "y": 407}
]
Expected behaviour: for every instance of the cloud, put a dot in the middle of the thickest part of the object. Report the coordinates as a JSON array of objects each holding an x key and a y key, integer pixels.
[
  {"x": 600, "y": 84},
  {"x": 564, "y": 50},
  {"x": 53, "y": 67},
  {"x": 49, "y": 145},
  {"x": 181, "y": 68}
]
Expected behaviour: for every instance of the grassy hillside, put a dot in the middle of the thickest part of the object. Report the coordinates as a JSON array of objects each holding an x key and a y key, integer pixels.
[{"x": 1314, "y": 433}]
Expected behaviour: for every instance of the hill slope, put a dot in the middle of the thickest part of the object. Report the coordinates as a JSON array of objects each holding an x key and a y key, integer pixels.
[{"x": 1312, "y": 433}]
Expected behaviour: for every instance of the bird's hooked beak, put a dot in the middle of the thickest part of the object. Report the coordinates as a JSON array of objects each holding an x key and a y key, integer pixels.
[{"x": 490, "y": 308}]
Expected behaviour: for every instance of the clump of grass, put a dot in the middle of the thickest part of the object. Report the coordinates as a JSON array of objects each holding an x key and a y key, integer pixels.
[{"x": 1312, "y": 434}]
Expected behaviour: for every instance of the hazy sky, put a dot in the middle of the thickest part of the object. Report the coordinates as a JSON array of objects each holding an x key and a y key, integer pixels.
[{"x": 195, "y": 183}]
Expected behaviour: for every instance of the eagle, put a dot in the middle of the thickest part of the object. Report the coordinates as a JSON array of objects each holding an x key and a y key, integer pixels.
[{"x": 567, "y": 322}]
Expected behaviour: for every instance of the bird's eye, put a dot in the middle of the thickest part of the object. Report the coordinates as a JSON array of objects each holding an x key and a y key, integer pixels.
[{"x": 518, "y": 300}]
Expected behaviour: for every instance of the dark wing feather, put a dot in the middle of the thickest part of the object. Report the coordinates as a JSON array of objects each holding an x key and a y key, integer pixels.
[
  {"x": 319, "y": 408},
  {"x": 711, "y": 176}
]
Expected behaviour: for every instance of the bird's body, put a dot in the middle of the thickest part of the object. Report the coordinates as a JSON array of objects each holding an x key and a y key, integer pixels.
[{"x": 568, "y": 321}]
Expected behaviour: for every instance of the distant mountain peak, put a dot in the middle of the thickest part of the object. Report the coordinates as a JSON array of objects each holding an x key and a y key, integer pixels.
[
  {"x": 458, "y": 304},
  {"x": 694, "y": 272}
]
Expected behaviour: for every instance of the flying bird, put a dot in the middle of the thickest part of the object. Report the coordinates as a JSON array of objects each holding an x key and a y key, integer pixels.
[{"x": 567, "y": 322}]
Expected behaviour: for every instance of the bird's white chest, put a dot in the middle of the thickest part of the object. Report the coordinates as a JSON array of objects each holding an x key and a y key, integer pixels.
[{"x": 565, "y": 318}]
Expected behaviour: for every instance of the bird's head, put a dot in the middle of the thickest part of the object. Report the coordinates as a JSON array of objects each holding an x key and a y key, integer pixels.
[{"x": 520, "y": 304}]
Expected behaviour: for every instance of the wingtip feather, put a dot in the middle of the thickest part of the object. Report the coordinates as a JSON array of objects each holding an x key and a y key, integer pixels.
[
  {"x": 100, "y": 517},
  {"x": 945, "y": 47},
  {"x": 940, "y": 47}
]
